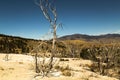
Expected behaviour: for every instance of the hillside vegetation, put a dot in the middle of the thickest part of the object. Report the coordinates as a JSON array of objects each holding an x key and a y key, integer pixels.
[
  {"x": 12, "y": 44},
  {"x": 103, "y": 50}
]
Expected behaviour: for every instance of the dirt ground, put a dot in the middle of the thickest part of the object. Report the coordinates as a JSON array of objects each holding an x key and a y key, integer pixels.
[{"x": 20, "y": 67}]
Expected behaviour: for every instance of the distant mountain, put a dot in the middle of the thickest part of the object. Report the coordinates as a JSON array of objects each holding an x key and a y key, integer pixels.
[{"x": 89, "y": 37}]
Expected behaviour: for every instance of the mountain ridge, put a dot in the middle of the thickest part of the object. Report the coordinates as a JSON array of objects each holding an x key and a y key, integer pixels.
[
  {"x": 74, "y": 37},
  {"x": 89, "y": 37}
]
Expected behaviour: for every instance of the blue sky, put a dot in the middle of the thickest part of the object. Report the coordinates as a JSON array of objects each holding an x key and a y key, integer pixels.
[{"x": 24, "y": 18}]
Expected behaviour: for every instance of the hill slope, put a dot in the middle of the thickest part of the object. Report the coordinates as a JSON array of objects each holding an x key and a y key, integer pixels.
[
  {"x": 13, "y": 44},
  {"x": 89, "y": 37}
]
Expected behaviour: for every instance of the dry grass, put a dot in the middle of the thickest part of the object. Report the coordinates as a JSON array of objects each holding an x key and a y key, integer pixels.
[{"x": 66, "y": 73}]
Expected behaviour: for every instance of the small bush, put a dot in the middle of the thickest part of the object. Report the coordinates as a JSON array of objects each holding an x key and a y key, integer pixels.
[
  {"x": 66, "y": 73},
  {"x": 57, "y": 67},
  {"x": 65, "y": 68},
  {"x": 62, "y": 68},
  {"x": 94, "y": 67}
]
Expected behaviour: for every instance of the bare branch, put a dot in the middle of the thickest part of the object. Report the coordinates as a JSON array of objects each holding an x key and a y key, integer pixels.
[
  {"x": 43, "y": 6},
  {"x": 53, "y": 10}
]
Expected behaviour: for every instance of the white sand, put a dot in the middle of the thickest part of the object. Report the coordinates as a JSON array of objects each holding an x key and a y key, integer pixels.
[{"x": 20, "y": 67}]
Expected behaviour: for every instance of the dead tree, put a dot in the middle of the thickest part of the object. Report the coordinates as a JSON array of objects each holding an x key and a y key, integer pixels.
[
  {"x": 48, "y": 9},
  {"x": 49, "y": 12}
]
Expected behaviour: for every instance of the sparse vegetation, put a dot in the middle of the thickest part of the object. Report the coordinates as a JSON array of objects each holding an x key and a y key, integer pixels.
[
  {"x": 66, "y": 73},
  {"x": 63, "y": 68},
  {"x": 66, "y": 70},
  {"x": 57, "y": 67},
  {"x": 105, "y": 57}
]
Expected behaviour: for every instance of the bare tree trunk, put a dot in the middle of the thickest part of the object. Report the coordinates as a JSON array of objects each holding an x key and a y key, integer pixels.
[
  {"x": 49, "y": 12},
  {"x": 36, "y": 64},
  {"x": 53, "y": 44}
]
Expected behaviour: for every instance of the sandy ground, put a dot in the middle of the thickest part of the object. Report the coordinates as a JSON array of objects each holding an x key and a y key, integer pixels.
[{"x": 20, "y": 67}]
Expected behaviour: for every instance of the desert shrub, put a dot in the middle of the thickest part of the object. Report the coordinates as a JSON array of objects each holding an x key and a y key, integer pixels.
[
  {"x": 106, "y": 57},
  {"x": 66, "y": 73},
  {"x": 57, "y": 67},
  {"x": 63, "y": 68},
  {"x": 94, "y": 67},
  {"x": 89, "y": 53}
]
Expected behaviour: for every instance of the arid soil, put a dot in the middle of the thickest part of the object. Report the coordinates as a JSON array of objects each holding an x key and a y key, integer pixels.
[{"x": 21, "y": 67}]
